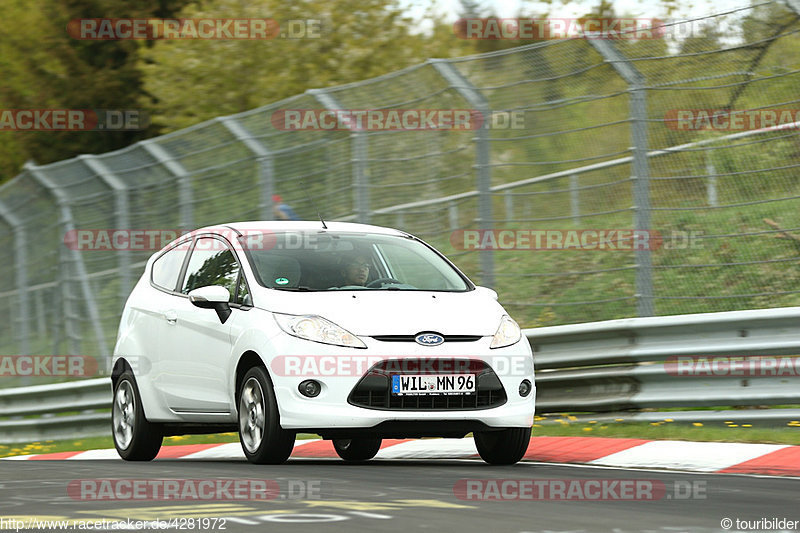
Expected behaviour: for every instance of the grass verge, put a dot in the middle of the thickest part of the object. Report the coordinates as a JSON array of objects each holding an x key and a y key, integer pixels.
[
  {"x": 669, "y": 430},
  {"x": 653, "y": 431},
  {"x": 100, "y": 443}
]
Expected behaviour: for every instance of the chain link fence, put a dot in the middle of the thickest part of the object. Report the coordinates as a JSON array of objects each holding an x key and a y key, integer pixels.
[{"x": 601, "y": 143}]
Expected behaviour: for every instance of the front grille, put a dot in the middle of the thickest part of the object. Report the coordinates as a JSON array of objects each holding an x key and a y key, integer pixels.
[
  {"x": 373, "y": 391},
  {"x": 410, "y": 338}
]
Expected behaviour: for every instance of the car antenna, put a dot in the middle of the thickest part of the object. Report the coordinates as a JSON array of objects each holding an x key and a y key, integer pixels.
[{"x": 319, "y": 214}]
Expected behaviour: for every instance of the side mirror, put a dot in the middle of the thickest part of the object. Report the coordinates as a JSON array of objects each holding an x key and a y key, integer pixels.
[
  {"x": 212, "y": 297},
  {"x": 487, "y": 291}
]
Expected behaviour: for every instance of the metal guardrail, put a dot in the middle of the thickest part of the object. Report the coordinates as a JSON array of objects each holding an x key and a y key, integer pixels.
[
  {"x": 629, "y": 340},
  {"x": 632, "y": 364},
  {"x": 608, "y": 370},
  {"x": 45, "y": 412}
]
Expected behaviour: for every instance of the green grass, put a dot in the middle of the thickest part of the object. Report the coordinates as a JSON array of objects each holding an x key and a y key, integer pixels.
[
  {"x": 667, "y": 430},
  {"x": 101, "y": 443},
  {"x": 681, "y": 280}
]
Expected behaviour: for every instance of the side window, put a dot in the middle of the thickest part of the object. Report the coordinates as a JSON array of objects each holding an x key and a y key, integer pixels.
[
  {"x": 167, "y": 267},
  {"x": 243, "y": 294},
  {"x": 211, "y": 263}
]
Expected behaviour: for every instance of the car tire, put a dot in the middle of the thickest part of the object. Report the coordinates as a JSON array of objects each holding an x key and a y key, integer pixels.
[
  {"x": 260, "y": 433},
  {"x": 135, "y": 438},
  {"x": 356, "y": 450},
  {"x": 504, "y": 447}
]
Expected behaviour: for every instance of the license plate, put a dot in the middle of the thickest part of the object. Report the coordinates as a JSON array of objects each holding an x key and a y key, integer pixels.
[{"x": 410, "y": 384}]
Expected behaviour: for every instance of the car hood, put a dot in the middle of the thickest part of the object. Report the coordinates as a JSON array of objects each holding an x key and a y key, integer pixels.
[{"x": 369, "y": 313}]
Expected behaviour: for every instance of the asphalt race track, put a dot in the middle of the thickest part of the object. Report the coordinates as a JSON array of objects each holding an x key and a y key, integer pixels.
[{"x": 396, "y": 495}]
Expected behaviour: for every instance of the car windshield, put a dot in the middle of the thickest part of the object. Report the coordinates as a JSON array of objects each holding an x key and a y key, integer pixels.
[{"x": 328, "y": 261}]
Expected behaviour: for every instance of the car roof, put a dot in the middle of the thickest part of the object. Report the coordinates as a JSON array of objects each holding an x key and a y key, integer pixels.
[{"x": 302, "y": 225}]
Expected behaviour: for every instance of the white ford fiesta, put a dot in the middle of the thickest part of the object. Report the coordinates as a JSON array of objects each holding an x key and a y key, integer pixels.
[{"x": 353, "y": 332}]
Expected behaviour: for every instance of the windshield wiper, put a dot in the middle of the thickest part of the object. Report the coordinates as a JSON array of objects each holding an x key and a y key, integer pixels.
[{"x": 301, "y": 288}]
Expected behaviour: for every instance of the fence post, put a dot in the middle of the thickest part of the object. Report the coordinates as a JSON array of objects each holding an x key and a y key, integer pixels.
[
  {"x": 266, "y": 167},
  {"x": 452, "y": 216},
  {"x": 20, "y": 265},
  {"x": 72, "y": 333},
  {"x": 641, "y": 170},
  {"x": 185, "y": 195},
  {"x": 68, "y": 227},
  {"x": 41, "y": 317},
  {"x": 575, "y": 200},
  {"x": 482, "y": 164},
  {"x": 123, "y": 219},
  {"x": 359, "y": 157},
  {"x": 360, "y": 179},
  {"x": 711, "y": 184},
  {"x": 508, "y": 198}
]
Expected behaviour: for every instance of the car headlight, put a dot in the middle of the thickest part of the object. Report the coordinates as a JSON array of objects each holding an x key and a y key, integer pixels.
[
  {"x": 507, "y": 334},
  {"x": 317, "y": 329}
]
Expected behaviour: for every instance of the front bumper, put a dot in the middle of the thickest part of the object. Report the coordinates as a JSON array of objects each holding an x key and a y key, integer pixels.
[{"x": 339, "y": 370}]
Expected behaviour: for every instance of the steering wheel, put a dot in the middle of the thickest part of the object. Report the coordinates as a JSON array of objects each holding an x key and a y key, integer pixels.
[{"x": 382, "y": 281}]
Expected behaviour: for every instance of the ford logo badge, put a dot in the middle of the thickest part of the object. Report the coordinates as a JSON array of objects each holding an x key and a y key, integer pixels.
[{"x": 429, "y": 339}]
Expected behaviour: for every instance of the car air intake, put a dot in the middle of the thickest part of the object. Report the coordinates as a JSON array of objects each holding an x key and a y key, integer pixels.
[{"x": 373, "y": 391}]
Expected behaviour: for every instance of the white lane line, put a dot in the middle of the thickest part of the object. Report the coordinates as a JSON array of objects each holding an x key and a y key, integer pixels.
[
  {"x": 231, "y": 450},
  {"x": 91, "y": 455},
  {"x": 429, "y": 448},
  {"x": 684, "y": 455}
]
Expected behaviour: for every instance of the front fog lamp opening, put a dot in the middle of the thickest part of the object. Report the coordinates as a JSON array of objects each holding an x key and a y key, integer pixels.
[
  {"x": 525, "y": 388},
  {"x": 310, "y": 388}
]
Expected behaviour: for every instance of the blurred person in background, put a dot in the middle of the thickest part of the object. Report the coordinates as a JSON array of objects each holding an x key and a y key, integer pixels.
[{"x": 281, "y": 210}]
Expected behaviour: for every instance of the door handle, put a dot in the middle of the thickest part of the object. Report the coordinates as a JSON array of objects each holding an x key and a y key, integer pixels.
[{"x": 171, "y": 316}]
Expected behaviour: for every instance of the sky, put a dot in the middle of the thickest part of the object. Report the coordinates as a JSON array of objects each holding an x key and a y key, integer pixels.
[
  {"x": 644, "y": 9},
  {"x": 559, "y": 8}
]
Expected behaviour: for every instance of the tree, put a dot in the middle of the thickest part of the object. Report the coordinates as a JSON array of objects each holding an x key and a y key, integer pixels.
[
  {"x": 194, "y": 80},
  {"x": 44, "y": 68}
]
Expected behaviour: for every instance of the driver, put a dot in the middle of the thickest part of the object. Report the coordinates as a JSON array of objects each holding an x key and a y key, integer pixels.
[{"x": 355, "y": 270}]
